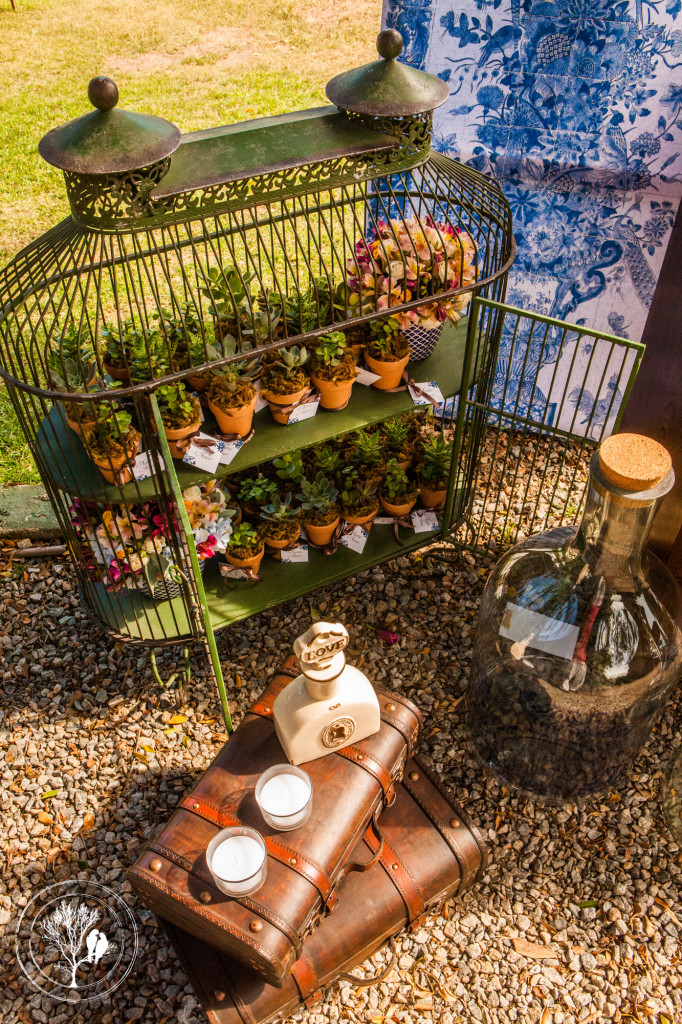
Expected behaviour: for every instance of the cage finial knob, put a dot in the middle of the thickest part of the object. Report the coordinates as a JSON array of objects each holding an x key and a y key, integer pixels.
[
  {"x": 389, "y": 43},
  {"x": 103, "y": 93}
]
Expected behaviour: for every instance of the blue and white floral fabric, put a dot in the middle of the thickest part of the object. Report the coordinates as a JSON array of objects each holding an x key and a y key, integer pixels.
[{"x": 575, "y": 107}]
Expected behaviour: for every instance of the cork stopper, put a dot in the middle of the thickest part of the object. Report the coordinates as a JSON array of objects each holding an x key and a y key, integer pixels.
[{"x": 633, "y": 462}]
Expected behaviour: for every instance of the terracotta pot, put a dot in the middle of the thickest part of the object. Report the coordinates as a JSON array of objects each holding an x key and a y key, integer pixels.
[
  {"x": 276, "y": 402},
  {"x": 283, "y": 542},
  {"x": 253, "y": 562},
  {"x": 405, "y": 463},
  {"x": 356, "y": 520},
  {"x": 397, "y": 510},
  {"x": 109, "y": 467},
  {"x": 334, "y": 394},
  {"x": 322, "y": 534},
  {"x": 234, "y": 421},
  {"x": 177, "y": 435},
  {"x": 357, "y": 351},
  {"x": 432, "y": 497},
  {"x": 117, "y": 372},
  {"x": 391, "y": 373},
  {"x": 79, "y": 426},
  {"x": 198, "y": 382}
]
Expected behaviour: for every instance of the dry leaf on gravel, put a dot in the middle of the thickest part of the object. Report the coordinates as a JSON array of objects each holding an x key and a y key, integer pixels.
[{"x": 534, "y": 950}]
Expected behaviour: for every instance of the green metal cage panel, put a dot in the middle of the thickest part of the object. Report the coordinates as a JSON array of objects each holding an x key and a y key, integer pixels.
[{"x": 275, "y": 208}]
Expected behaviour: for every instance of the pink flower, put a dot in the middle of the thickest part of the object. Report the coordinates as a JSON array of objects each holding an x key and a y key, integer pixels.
[{"x": 388, "y": 638}]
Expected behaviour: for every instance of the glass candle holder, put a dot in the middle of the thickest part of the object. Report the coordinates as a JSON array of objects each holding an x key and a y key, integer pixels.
[
  {"x": 284, "y": 794},
  {"x": 237, "y": 860}
]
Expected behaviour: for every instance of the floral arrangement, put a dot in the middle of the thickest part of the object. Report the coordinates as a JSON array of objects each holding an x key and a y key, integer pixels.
[
  {"x": 127, "y": 541},
  {"x": 412, "y": 259}
]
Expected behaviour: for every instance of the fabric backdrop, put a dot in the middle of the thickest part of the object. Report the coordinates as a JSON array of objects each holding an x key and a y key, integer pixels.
[{"x": 575, "y": 107}]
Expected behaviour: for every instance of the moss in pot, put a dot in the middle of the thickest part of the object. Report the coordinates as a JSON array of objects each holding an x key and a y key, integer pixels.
[
  {"x": 180, "y": 413},
  {"x": 285, "y": 381},
  {"x": 398, "y": 492},
  {"x": 232, "y": 397},
  {"x": 279, "y": 527},
  {"x": 387, "y": 353},
  {"x": 434, "y": 470},
  {"x": 359, "y": 503},
  {"x": 321, "y": 513},
  {"x": 333, "y": 370},
  {"x": 245, "y": 547}
]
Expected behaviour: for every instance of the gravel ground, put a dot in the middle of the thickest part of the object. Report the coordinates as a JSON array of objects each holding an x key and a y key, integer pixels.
[{"x": 84, "y": 716}]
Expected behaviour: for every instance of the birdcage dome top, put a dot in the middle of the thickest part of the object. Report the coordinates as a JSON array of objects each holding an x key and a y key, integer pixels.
[
  {"x": 387, "y": 88},
  {"x": 108, "y": 140}
]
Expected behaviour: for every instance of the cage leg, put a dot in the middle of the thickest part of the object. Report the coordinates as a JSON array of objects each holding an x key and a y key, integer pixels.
[{"x": 205, "y": 626}]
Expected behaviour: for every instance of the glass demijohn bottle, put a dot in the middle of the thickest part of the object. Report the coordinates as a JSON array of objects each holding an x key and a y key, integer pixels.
[{"x": 577, "y": 646}]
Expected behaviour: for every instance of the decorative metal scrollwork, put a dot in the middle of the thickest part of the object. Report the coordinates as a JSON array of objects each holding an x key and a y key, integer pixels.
[{"x": 117, "y": 202}]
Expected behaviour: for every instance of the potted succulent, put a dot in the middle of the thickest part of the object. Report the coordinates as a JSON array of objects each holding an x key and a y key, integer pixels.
[
  {"x": 320, "y": 511},
  {"x": 289, "y": 467},
  {"x": 112, "y": 442},
  {"x": 285, "y": 382},
  {"x": 387, "y": 353},
  {"x": 333, "y": 371},
  {"x": 180, "y": 413},
  {"x": 359, "y": 503},
  {"x": 149, "y": 355},
  {"x": 201, "y": 349},
  {"x": 71, "y": 360},
  {"x": 228, "y": 292},
  {"x": 306, "y": 310},
  {"x": 396, "y": 434},
  {"x": 326, "y": 459},
  {"x": 434, "y": 470},
  {"x": 347, "y": 302},
  {"x": 232, "y": 397},
  {"x": 117, "y": 344},
  {"x": 254, "y": 492},
  {"x": 279, "y": 527},
  {"x": 259, "y": 324},
  {"x": 398, "y": 493},
  {"x": 179, "y": 330},
  {"x": 414, "y": 258},
  {"x": 368, "y": 455},
  {"x": 245, "y": 547}
]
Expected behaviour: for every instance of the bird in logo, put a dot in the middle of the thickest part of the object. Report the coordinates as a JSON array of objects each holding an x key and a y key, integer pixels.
[{"x": 498, "y": 40}]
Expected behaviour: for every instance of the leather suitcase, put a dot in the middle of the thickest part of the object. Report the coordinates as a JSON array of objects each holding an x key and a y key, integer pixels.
[
  {"x": 430, "y": 852},
  {"x": 265, "y": 931}
]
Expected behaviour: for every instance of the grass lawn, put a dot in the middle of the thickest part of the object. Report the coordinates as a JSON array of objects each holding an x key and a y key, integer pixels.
[{"x": 197, "y": 64}]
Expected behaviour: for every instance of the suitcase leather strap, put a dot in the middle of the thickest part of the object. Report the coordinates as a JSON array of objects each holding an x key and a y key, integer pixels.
[
  {"x": 400, "y": 876},
  {"x": 204, "y": 875},
  {"x": 305, "y": 976},
  {"x": 447, "y": 830},
  {"x": 303, "y": 866}
]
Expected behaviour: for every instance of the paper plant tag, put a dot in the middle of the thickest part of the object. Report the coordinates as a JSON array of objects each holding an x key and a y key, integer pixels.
[
  {"x": 232, "y": 572},
  {"x": 366, "y": 376},
  {"x": 299, "y": 553},
  {"x": 383, "y": 520},
  {"x": 424, "y": 520},
  {"x": 206, "y": 458},
  {"x": 143, "y": 467},
  {"x": 431, "y": 389},
  {"x": 229, "y": 451},
  {"x": 304, "y": 412},
  {"x": 304, "y": 535},
  {"x": 260, "y": 401},
  {"x": 356, "y": 539}
]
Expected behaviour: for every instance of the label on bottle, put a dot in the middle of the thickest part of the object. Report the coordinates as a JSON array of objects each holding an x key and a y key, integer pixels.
[{"x": 532, "y": 629}]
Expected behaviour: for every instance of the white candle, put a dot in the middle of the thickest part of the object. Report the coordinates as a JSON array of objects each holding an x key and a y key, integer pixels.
[
  {"x": 237, "y": 859},
  {"x": 285, "y": 796}
]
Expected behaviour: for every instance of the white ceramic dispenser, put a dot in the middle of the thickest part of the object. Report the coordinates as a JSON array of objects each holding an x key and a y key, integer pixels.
[{"x": 331, "y": 704}]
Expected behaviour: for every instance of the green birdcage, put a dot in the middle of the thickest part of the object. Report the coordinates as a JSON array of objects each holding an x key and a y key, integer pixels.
[{"x": 189, "y": 260}]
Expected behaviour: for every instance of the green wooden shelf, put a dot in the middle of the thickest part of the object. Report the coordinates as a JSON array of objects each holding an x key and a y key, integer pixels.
[
  {"x": 230, "y": 601},
  {"x": 69, "y": 466}
]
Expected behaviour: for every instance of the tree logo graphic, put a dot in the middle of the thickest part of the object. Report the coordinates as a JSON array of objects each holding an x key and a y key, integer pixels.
[{"x": 76, "y": 941}]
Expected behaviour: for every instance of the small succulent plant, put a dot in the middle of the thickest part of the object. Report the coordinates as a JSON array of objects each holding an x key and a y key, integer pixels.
[
  {"x": 318, "y": 495},
  {"x": 279, "y": 510}
]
